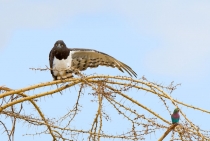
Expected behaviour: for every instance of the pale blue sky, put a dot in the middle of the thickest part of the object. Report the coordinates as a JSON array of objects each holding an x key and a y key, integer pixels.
[{"x": 165, "y": 41}]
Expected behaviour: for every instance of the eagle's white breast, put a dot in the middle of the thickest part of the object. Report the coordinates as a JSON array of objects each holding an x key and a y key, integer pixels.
[{"x": 60, "y": 66}]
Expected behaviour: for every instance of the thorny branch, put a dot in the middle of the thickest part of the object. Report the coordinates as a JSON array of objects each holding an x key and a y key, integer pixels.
[{"x": 112, "y": 90}]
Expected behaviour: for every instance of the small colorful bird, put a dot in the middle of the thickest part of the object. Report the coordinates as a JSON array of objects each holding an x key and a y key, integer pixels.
[{"x": 175, "y": 116}]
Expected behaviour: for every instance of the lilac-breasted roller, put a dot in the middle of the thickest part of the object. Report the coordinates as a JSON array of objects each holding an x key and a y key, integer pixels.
[{"x": 175, "y": 116}]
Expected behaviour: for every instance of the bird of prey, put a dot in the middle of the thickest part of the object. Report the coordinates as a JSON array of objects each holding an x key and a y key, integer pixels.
[
  {"x": 64, "y": 60},
  {"x": 175, "y": 116}
]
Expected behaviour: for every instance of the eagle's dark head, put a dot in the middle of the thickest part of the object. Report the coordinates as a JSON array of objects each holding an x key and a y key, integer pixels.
[
  {"x": 59, "y": 44},
  {"x": 60, "y": 51}
]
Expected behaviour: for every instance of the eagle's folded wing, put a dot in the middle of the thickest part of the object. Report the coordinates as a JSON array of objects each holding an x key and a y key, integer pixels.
[{"x": 84, "y": 58}]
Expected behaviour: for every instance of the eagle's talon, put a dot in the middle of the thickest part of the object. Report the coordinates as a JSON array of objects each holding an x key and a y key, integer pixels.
[{"x": 58, "y": 77}]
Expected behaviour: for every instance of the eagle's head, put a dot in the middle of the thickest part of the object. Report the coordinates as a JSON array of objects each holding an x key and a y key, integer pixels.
[{"x": 60, "y": 44}]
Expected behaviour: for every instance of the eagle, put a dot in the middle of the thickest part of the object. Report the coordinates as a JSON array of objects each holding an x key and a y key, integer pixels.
[{"x": 63, "y": 61}]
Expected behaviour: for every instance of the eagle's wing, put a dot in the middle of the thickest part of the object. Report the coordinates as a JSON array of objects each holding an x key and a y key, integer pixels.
[
  {"x": 84, "y": 58},
  {"x": 51, "y": 56}
]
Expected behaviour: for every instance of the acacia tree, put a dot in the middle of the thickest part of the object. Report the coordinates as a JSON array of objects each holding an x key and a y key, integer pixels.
[{"x": 112, "y": 90}]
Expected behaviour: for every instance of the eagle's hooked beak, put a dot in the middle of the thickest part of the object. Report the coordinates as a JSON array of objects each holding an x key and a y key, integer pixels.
[{"x": 59, "y": 45}]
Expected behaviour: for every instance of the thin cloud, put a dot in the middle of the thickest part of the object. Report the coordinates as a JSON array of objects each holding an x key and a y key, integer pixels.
[
  {"x": 183, "y": 30},
  {"x": 16, "y": 14}
]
